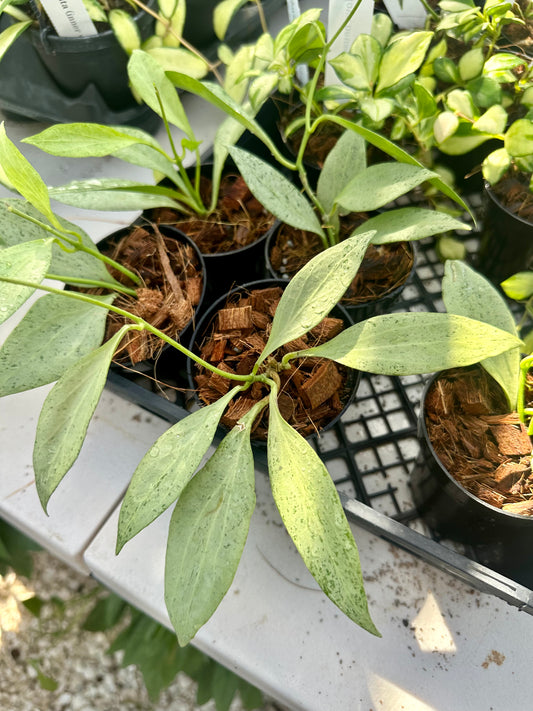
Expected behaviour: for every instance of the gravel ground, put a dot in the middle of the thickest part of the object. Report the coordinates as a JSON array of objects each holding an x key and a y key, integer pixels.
[{"x": 54, "y": 645}]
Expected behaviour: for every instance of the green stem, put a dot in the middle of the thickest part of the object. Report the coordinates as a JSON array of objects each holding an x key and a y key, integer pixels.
[
  {"x": 139, "y": 322},
  {"x": 430, "y": 10},
  {"x": 93, "y": 283},
  {"x": 525, "y": 365},
  {"x": 77, "y": 244},
  {"x": 262, "y": 18}
]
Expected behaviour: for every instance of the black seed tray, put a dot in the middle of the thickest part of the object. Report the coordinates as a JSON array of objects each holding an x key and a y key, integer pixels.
[{"x": 371, "y": 451}]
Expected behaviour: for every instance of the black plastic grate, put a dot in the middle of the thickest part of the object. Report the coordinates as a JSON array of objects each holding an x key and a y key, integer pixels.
[{"x": 371, "y": 451}]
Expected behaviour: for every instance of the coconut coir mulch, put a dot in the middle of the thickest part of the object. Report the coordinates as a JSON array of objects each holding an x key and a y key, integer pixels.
[
  {"x": 482, "y": 445},
  {"x": 514, "y": 194},
  {"x": 313, "y": 391},
  {"x": 239, "y": 219},
  {"x": 172, "y": 283},
  {"x": 384, "y": 267}
]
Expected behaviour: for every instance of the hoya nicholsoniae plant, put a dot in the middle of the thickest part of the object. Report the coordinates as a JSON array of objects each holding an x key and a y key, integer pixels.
[{"x": 215, "y": 502}]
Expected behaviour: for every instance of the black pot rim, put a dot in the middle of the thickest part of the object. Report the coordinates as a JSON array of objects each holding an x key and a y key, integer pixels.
[
  {"x": 490, "y": 193},
  {"x": 389, "y": 295},
  {"x": 422, "y": 432},
  {"x": 257, "y": 284}
]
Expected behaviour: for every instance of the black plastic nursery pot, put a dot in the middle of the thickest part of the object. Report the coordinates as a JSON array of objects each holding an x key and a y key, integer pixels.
[
  {"x": 506, "y": 245},
  {"x": 225, "y": 268},
  {"x": 499, "y": 539},
  {"x": 166, "y": 356},
  {"x": 206, "y": 326},
  {"x": 374, "y": 306},
  {"x": 66, "y": 79}
]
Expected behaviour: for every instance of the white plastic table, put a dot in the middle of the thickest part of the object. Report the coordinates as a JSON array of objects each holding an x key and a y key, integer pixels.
[{"x": 445, "y": 647}]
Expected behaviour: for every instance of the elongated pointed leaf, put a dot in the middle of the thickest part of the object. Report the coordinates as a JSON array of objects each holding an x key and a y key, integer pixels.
[
  {"x": 394, "y": 151},
  {"x": 379, "y": 184},
  {"x": 23, "y": 176},
  {"x": 215, "y": 95},
  {"x": 312, "y": 513},
  {"x": 111, "y": 194},
  {"x": 314, "y": 291},
  {"x": 409, "y": 223},
  {"x": 275, "y": 192},
  {"x": 86, "y": 140},
  {"x": 54, "y": 334},
  {"x": 208, "y": 531},
  {"x": 167, "y": 468},
  {"x": 415, "y": 343},
  {"x": 10, "y": 34},
  {"x": 26, "y": 262},
  {"x": 346, "y": 159},
  {"x": 149, "y": 80},
  {"x": 467, "y": 293},
  {"x": 66, "y": 414},
  {"x": 223, "y": 14},
  {"x": 17, "y": 230}
]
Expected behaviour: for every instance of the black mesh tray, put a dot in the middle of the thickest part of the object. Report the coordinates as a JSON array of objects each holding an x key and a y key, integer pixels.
[{"x": 371, "y": 451}]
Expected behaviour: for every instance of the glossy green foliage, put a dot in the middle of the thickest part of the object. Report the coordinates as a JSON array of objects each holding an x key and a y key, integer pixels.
[{"x": 27, "y": 262}]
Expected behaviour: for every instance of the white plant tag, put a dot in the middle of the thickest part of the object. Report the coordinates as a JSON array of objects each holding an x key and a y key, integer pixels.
[
  {"x": 361, "y": 23},
  {"x": 69, "y": 18}
]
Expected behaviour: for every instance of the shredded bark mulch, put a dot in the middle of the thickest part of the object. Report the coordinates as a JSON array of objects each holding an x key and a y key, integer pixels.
[
  {"x": 172, "y": 283},
  {"x": 384, "y": 267},
  {"x": 482, "y": 445},
  {"x": 239, "y": 219},
  {"x": 513, "y": 192},
  {"x": 313, "y": 391}
]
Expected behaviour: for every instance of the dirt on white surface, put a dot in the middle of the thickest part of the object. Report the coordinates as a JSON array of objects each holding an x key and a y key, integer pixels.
[{"x": 53, "y": 646}]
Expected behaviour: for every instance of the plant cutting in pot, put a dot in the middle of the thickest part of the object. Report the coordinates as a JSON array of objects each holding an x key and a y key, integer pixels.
[
  {"x": 472, "y": 479},
  {"x": 151, "y": 272},
  {"x": 210, "y": 522}
]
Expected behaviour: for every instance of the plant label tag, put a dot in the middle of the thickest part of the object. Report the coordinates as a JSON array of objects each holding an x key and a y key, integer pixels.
[
  {"x": 407, "y": 14},
  {"x": 69, "y": 18},
  {"x": 361, "y": 23}
]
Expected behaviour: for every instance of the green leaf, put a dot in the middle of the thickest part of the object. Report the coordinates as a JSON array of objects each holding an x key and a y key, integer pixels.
[
  {"x": 215, "y": 95},
  {"x": 125, "y": 30},
  {"x": 445, "y": 126},
  {"x": 519, "y": 138},
  {"x": 464, "y": 140},
  {"x": 379, "y": 184},
  {"x": 402, "y": 57},
  {"x": 496, "y": 165},
  {"x": 394, "y": 151},
  {"x": 113, "y": 194},
  {"x": 370, "y": 51},
  {"x": 415, "y": 343},
  {"x": 314, "y": 290},
  {"x": 351, "y": 71},
  {"x": 66, "y": 414},
  {"x": 54, "y": 334},
  {"x": 86, "y": 140},
  {"x": 149, "y": 80},
  {"x": 346, "y": 159},
  {"x": 34, "y": 605},
  {"x": 9, "y": 35},
  {"x": 208, "y": 530},
  {"x": 171, "y": 57},
  {"x": 467, "y": 293},
  {"x": 471, "y": 64},
  {"x": 167, "y": 467},
  {"x": 17, "y": 230},
  {"x": 23, "y": 177},
  {"x": 45, "y": 682},
  {"x": 485, "y": 91},
  {"x": 105, "y": 614},
  {"x": 381, "y": 28},
  {"x": 227, "y": 134},
  {"x": 519, "y": 286},
  {"x": 307, "y": 43},
  {"x": 409, "y": 223},
  {"x": 446, "y": 70},
  {"x": 312, "y": 513},
  {"x": 275, "y": 192},
  {"x": 460, "y": 101},
  {"x": 28, "y": 261},
  {"x": 223, "y": 14},
  {"x": 377, "y": 110},
  {"x": 494, "y": 120}
]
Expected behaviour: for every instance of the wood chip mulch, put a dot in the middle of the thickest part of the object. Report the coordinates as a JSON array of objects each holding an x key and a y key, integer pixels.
[
  {"x": 482, "y": 445},
  {"x": 313, "y": 391}
]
